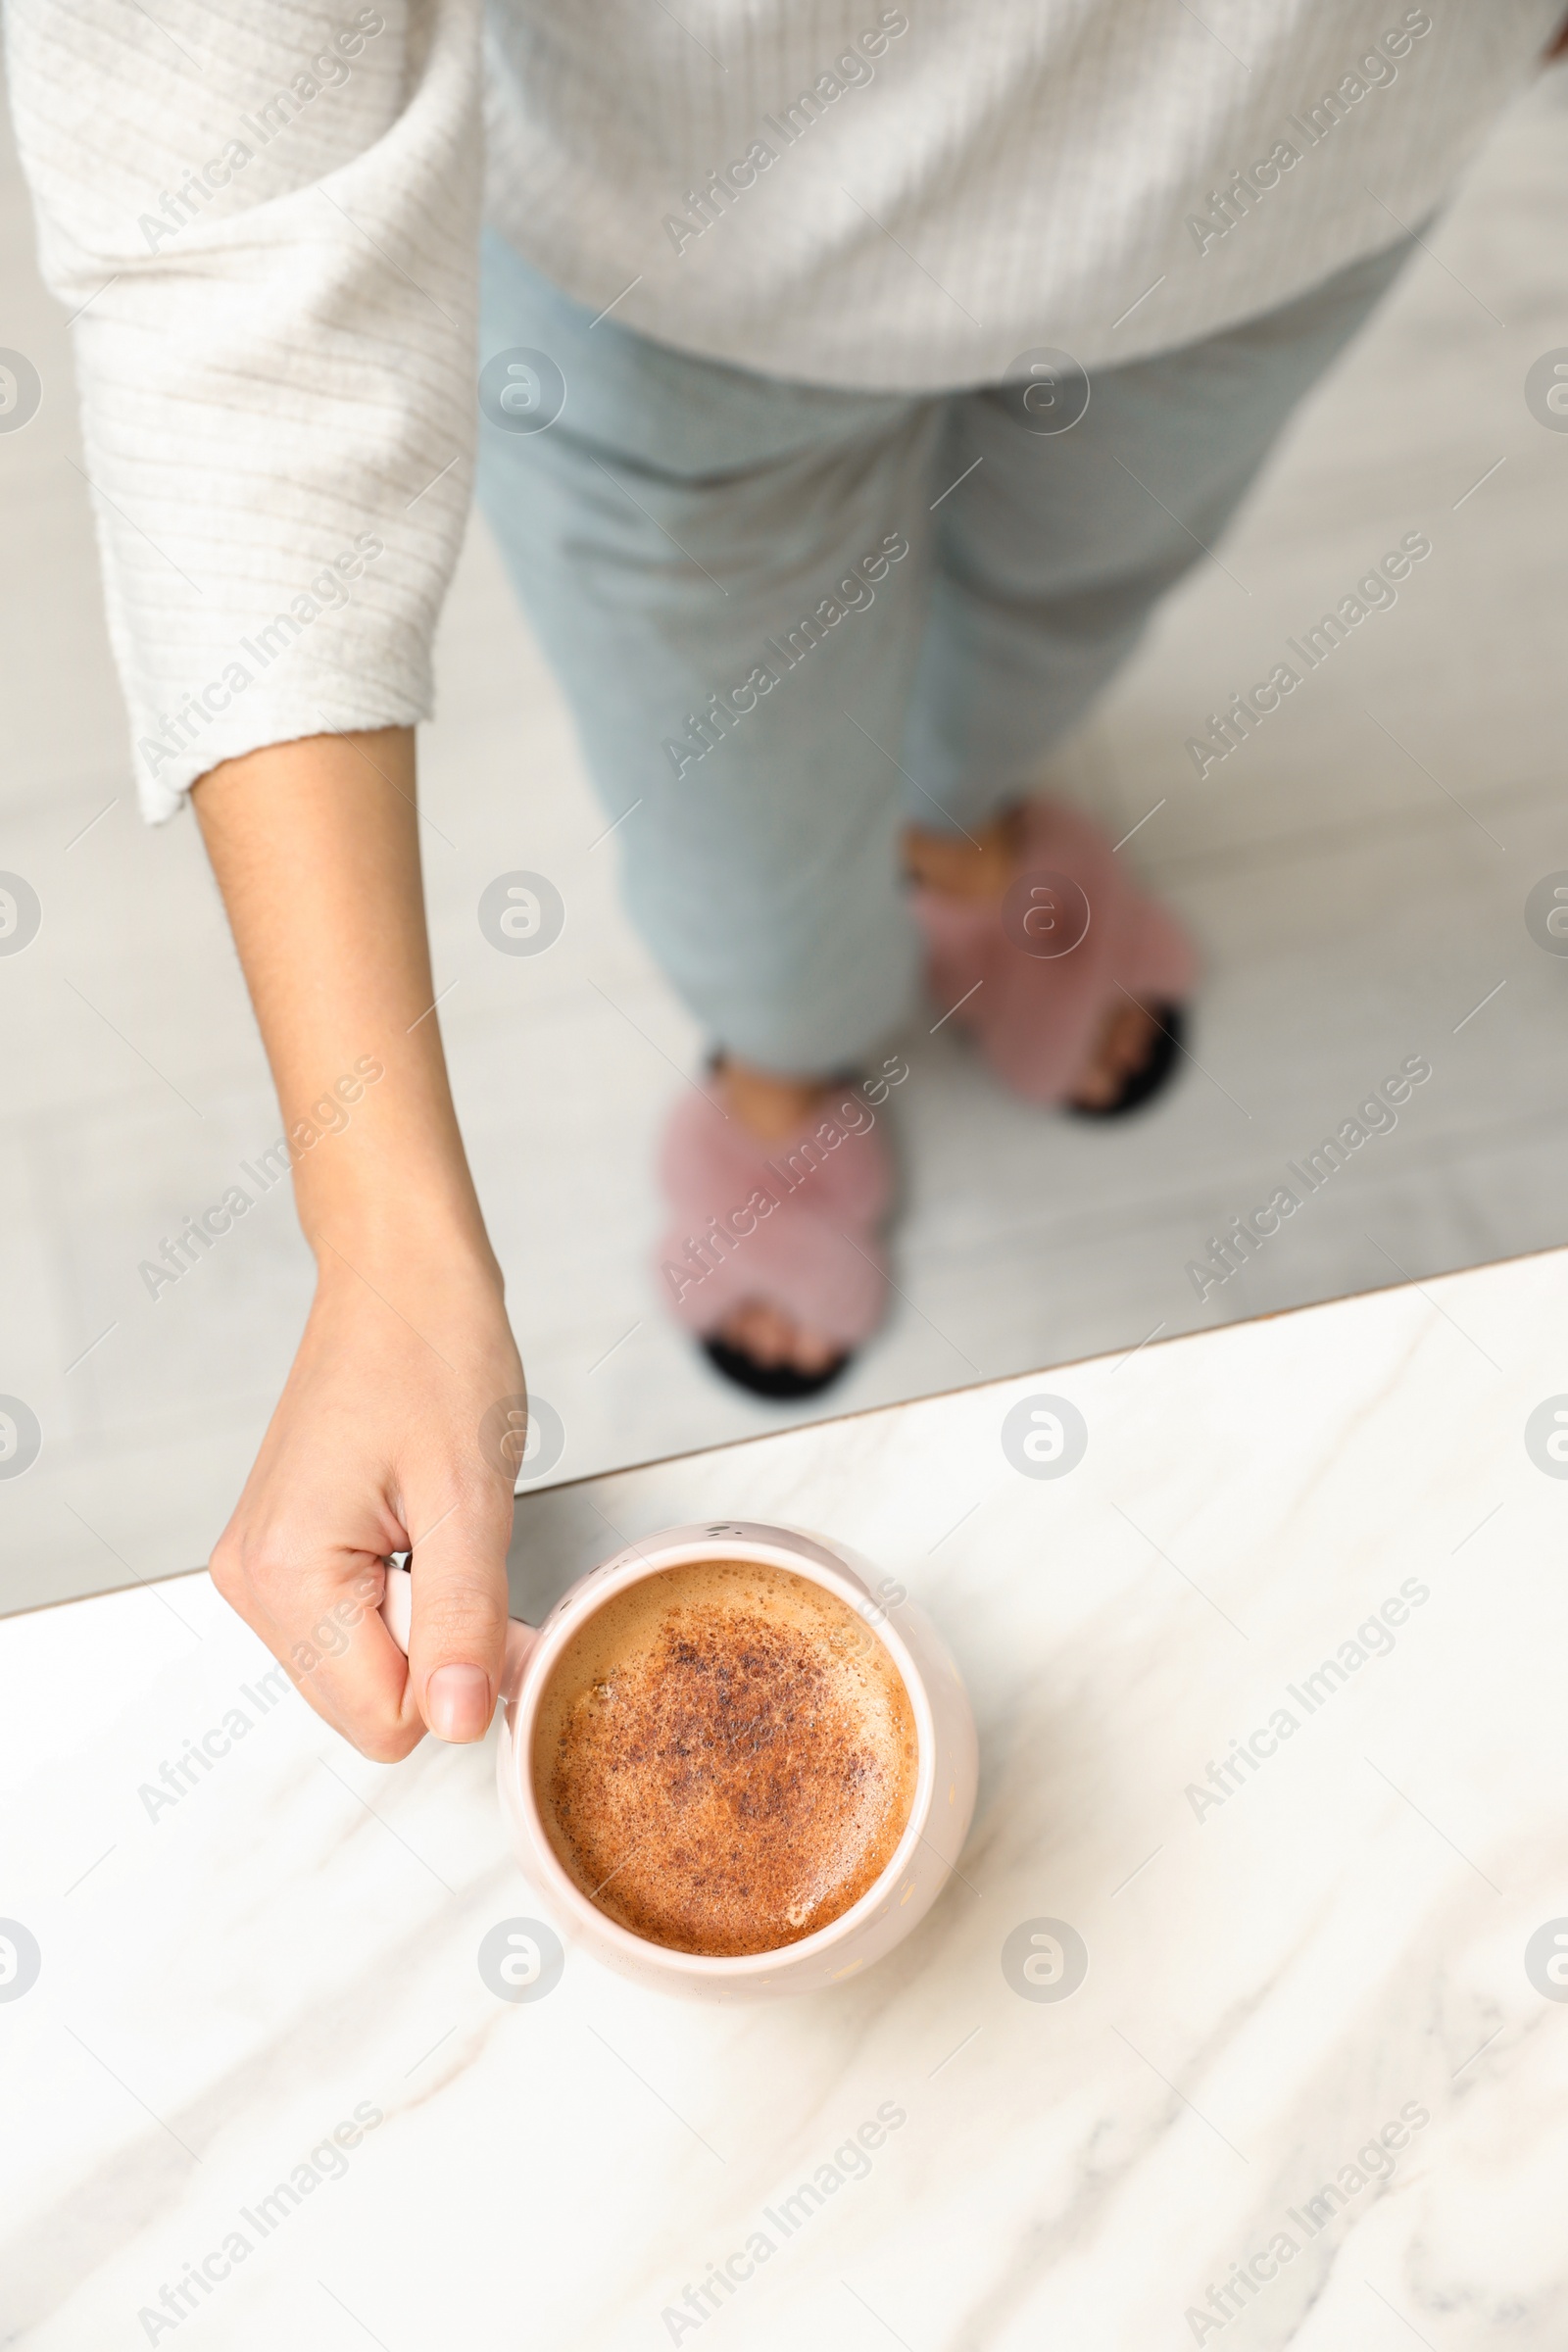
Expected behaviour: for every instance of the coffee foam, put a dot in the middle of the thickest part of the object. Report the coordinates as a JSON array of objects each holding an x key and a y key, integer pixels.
[{"x": 725, "y": 1758}]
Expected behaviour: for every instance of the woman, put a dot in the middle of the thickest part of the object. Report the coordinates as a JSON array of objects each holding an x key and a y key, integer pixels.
[{"x": 850, "y": 384}]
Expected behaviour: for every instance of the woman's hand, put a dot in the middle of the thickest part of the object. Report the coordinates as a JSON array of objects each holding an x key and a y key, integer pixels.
[
  {"x": 381, "y": 1442},
  {"x": 376, "y": 1446}
]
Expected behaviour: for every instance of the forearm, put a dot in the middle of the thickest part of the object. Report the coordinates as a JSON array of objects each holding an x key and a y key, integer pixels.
[
  {"x": 316, "y": 849},
  {"x": 377, "y": 1443}
]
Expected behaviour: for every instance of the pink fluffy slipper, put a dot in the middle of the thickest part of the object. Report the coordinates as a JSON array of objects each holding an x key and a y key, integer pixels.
[
  {"x": 796, "y": 1223},
  {"x": 1034, "y": 977}
]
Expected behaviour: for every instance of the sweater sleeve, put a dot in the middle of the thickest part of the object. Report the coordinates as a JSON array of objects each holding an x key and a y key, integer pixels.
[{"x": 265, "y": 225}]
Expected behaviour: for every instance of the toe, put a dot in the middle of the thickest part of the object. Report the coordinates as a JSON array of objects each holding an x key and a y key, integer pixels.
[
  {"x": 771, "y": 1338},
  {"x": 1123, "y": 1046}
]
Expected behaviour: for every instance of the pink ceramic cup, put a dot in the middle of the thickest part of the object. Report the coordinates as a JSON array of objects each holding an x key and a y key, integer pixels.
[{"x": 945, "y": 1787}]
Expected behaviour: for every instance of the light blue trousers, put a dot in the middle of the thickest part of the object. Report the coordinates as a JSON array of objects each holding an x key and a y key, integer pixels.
[{"x": 790, "y": 621}]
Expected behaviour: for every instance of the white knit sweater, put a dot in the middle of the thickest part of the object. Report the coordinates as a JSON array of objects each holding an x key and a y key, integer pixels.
[{"x": 266, "y": 220}]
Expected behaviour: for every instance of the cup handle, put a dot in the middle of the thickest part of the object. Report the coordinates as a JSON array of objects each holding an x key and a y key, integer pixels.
[{"x": 397, "y": 1615}]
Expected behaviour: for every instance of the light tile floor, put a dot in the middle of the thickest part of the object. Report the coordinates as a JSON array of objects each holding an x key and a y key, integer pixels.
[{"x": 1356, "y": 875}]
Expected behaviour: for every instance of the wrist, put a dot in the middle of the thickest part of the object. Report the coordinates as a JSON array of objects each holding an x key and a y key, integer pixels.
[
  {"x": 391, "y": 1184},
  {"x": 411, "y": 1216},
  {"x": 421, "y": 1244},
  {"x": 405, "y": 1261}
]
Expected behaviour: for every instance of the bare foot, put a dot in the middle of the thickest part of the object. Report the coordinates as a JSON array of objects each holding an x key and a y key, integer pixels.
[
  {"x": 982, "y": 865},
  {"x": 965, "y": 865},
  {"x": 771, "y": 1108}
]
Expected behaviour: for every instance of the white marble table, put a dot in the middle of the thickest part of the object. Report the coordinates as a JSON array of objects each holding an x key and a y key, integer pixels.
[{"x": 1306, "y": 2042}]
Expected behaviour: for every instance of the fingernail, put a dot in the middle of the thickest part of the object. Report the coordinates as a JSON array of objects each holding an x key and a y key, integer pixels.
[{"x": 457, "y": 1702}]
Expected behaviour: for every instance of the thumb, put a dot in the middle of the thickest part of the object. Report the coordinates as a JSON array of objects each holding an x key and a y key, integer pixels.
[{"x": 456, "y": 1644}]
